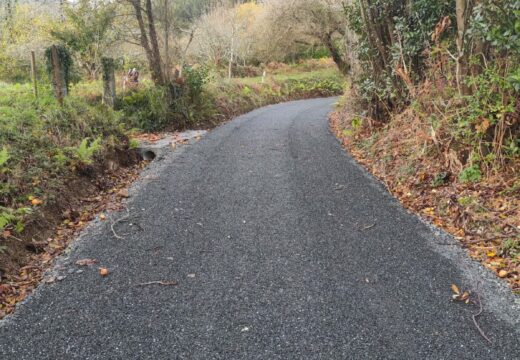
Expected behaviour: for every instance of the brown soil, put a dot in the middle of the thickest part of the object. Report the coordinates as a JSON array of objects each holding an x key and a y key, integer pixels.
[{"x": 50, "y": 229}]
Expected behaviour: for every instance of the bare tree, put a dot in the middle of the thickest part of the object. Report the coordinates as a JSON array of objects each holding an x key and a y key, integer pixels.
[
  {"x": 148, "y": 38},
  {"x": 320, "y": 22}
]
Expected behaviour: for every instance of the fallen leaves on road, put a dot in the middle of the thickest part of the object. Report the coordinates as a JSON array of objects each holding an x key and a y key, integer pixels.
[
  {"x": 86, "y": 262},
  {"x": 459, "y": 295}
]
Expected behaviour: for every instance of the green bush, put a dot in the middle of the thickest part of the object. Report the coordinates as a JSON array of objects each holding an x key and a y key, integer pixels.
[
  {"x": 147, "y": 108},
  {"x": 470, "y": 174}
]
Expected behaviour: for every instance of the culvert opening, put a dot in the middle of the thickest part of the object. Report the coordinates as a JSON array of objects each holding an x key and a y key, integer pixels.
[{"x": 148, "y": 155}]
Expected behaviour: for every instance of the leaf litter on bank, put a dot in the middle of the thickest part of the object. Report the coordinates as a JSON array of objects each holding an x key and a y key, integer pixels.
[
  {"x": 15, "y": 287},
  {"x": 483, "y": 216}
]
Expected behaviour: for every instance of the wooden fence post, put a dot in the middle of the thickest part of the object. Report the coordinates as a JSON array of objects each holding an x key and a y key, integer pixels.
[
  {"x": 33, "y": 74},
  {"x": 58, "y": 75},
  {"x": 109, "y": 82}
]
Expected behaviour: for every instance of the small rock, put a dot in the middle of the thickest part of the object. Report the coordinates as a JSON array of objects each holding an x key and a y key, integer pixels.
[{"x": 191, "y": 276}]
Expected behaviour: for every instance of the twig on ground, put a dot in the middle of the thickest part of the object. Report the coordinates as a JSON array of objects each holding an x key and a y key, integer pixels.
[
  {"x": 114, "y": 223},
  {"x": 477, "y": 314},
  {"x": 493, "y": 238},
  {"x": 368, "y": 227},
  {"x": 163, "y": 283},
  {"x": 14, "y": 237}
]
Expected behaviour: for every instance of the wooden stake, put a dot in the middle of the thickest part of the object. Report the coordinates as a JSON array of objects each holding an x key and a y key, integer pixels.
[
  {"x": 60, "y": 88},
  {"x": 33, "y": 74}
]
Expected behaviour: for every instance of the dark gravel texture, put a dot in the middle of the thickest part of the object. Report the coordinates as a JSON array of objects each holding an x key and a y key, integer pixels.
[{"x": 283, "y": 247}]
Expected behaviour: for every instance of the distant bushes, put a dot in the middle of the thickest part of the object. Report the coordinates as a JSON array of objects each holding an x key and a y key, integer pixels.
[{"x": 195, "y": 101}]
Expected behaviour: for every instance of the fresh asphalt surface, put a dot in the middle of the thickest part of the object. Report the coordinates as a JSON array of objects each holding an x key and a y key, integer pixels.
[{"x": 283, "y": 248}]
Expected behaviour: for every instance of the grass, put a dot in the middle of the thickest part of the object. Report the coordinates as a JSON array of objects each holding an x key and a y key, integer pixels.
[
  {"x": 328, "y": 73},
  {"x": 42, "y": 142}
]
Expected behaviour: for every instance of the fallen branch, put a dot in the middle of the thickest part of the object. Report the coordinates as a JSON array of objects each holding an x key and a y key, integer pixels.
[
  {"x": 477, "y": 314},
  {"x": 493, "y": 238},
  {"x": 114, "y": 223},
  {"x": 368, "y": 227},
  {"x": 163, "y": 283}
]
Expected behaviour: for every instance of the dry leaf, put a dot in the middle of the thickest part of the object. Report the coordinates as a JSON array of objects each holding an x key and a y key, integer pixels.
[
  {"x": 123, "y": 193},
  {"x": 36, "y": 202},
  {"x": 86, "y": 262},
  {"x": 103, "y": 272},
  {"x": 455, "y": 289}
]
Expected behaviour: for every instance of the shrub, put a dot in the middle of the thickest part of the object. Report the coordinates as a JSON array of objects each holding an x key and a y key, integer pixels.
[{"x": 470, "y": 174}]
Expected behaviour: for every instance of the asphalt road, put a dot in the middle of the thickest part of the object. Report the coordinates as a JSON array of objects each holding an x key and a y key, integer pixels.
[{"x": 283, "y": 248}]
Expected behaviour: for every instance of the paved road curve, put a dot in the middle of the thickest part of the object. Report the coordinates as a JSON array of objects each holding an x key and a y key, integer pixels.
[{"x": 283, "y": 249}]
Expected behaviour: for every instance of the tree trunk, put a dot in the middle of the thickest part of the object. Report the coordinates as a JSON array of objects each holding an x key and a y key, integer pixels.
[
  {"x": 167, "y": 64},
  {"x": 150, "y": 46},
  {"x": 109, "y": 82},
  {"x": 342, "y": 65},
  {"x": 58, "y": 76},
  {"x": 157, "y": 66},
  {"x": 462, "y": 12}
]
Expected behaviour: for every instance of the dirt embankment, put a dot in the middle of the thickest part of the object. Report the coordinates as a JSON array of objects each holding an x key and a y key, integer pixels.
[{"x": 89, "y": 192}]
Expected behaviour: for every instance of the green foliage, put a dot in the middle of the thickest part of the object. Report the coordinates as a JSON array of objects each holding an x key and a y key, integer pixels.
[
  {"x": 499, "y": 24},
  {"x": 470, "y": 174},
  {"x": 313, "y": 87},
  {"x": 147, "y": 109},
  {"x": 85, "y": 151},
  {"x": 88, "y": 33},
  {"x": 133, "y": 144},
  {"x": 13, "y": 217},
  {"x": 356, "y": 123},
  {"x": 53, "y": 139},
  {"x": 440, "y": 179},
  {"x": 511, "y": 247},
  {"x": 4, "y": 156},
  {"x": 177, "y": 105},
  {"x": 392, "y": 34}
]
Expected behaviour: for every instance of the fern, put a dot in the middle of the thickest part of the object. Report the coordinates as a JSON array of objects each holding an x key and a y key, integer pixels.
[
  {"x": 84, "y": 152},
  {"x": 4, "y": 157},
  {"x": 10, "y": 217}
]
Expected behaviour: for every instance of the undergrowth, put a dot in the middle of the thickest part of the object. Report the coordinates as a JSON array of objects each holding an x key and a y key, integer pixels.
[{"x": 43, "y": 143}]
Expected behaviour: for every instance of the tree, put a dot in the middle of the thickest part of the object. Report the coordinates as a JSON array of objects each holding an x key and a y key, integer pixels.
[
  {"x": 316, "y": 22},
  {"x": 88, "y": 32},
  {"x": 143, "y": 12}
]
